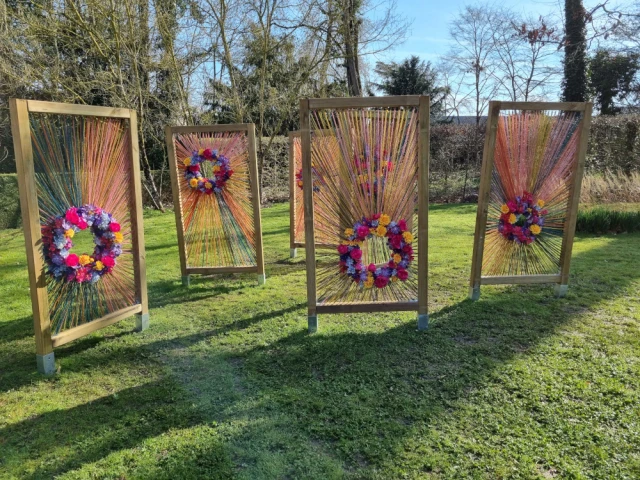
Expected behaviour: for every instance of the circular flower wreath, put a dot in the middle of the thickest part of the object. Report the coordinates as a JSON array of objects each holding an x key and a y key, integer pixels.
[
  {"x": 522, "y": 219},
  {"x": 221, "y": 171},
  {"x": 57, "y": 244},
  {"x": 299, "y": 182},
  {"x": 399, "y": 241}
]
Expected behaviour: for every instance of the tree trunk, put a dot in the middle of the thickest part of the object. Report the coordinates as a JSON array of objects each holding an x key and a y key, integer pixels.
[
  {"x": 351, "y": 36},
  {"x": 574, "y": 84}
]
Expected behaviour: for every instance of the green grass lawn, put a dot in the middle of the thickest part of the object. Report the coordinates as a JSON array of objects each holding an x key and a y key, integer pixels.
[{"x": 226, "y": 383}]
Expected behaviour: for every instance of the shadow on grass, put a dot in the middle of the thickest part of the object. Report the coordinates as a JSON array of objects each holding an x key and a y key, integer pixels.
[
  {"x": 16, "y": 329},
  {"x": 360, "y": 394}
]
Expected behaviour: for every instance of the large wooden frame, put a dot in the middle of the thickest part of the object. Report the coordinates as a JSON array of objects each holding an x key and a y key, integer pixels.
[
  {"x": 20, "y": 127},
  {"x": 421, "y": 306},
  {"x": 249, "y": 129},
  {"x": 561, "y": 279}
]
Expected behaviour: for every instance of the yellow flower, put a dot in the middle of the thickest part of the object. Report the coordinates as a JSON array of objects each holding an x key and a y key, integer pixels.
[
  {"x": 512, "y": 218},
  {"x": 348, "y": 232},
  {"x": 381, "y": 231},
  {"x": 118, "y": 237},
  {"x": 216, "y": 168},
  {"x": 541, "y": 203},
  {"x": 186, "y": 161},
  {"x": 300, "y": 183},
  {"x": 504, "y": 208},
  {"x": 535, "y": 229},
  {"x": 368, "y": 283},
  {"x": 84, "y": 260},
  {"x": 193, "y": 182},
  {"x": 408, "y": 237},
  {"x": 201, "y": 151},
  {"x": 394, "y": 279},
  {"x": 70, "y": 233},
  {"x": 397, "y": 257},
  {"x": 99, "y": 265},
  {"x": 384, "y": 220},
  {"x": 346, "y": 242}
]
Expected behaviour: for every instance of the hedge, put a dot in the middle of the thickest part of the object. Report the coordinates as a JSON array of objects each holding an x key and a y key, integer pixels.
[{"x": 10, "y": 204}]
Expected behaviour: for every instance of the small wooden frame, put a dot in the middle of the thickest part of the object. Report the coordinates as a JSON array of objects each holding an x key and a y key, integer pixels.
[
  {"x": 21, "y": 130},
  {"x": 421, "y": 305},
  {"x": 186, "y": 270},
  {"x": 561, "y": 278}
]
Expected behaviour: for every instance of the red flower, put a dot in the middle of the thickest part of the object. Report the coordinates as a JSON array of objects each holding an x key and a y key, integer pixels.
[
  {"x": 82, "y": 224},
  {"x": 194, "y": 168},
  {"x": 381, "y": 281},
  {"x": 71, "y": 260},
  {"x": 376, "y": 216},
  {"x": 72, "y": 215},
  {"x": 342, "y": 249},
  {"x": 356, "y": 254},
  {"x": 402, "y": 224},
  {"x": 114, "y": 226},
  {"x": 207, "y": 153},
  {"x": 395, "y": 241},
  {"x": 403, "y": 274},
  {"x": 372, "y": 267},
  {"x": 408, "y": 249},
  {"x": 108, "y": 261},
  {"x": 363, "y": 231}
]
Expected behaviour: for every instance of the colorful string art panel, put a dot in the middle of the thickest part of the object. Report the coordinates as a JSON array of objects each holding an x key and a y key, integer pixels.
[
  {"x": 214, "y": 180},
  {"x": 368, "y": 218},
  {"x": 529, "y": 194},
  {"x": 80, "y": 197}
]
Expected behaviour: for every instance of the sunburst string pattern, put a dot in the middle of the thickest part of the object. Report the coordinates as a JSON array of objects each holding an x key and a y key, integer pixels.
[
  {"x": 218, "y": 227},
  {"x": 535, "y": 159},
  {"x": 85, "y": 161},
  {"x": 367, "y": 160}
]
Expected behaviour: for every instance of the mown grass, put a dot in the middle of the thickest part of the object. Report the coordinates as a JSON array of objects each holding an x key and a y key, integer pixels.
[{"x": 226, "y": 383}]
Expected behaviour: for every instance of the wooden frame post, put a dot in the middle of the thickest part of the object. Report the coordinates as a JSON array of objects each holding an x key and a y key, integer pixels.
[
  {"x": 21, "y": 131},
  {"x": 293, "y": 245},
  {"x": 252, "y": 163},
  {"x": 562, "y": 278},
  {"x": 420, "y": 305}
]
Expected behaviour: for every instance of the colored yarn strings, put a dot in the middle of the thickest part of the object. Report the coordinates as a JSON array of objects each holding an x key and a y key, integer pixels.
[
  {"x": 77, "y": 161},
  {"x": 349, "y": 149},
  {"x": 298, "y": 195},
  {"x": 218, "y": 228},
  {"x": 535, "y": 152}
]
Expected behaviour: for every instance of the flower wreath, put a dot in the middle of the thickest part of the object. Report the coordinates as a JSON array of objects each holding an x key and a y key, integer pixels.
[
  {"x": 57, "y": 244},
  {"x": 316, "y": 187},
  {"x": 399, "y": 240},
  {"x": 522, "y": 219},
  {"x": 221, "y": 171}
]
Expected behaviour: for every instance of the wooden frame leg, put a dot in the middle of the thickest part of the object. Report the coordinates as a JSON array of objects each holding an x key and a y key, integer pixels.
[
  {"x": 293, "y": 252},
  {"x": 474, "y": 293},
  {"x": 262, "y": 278},
  {"x": 560, "y": 290},
  {"x": 142, "y": 322},
  {"x": 46, "y": 363},
  {"x": 423, "y": 321},
  {"x": 186, "y": 280},
  {"x": 312, "y": 321}
]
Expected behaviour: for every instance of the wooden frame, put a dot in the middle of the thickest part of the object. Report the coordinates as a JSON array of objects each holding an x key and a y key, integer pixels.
[
  {"x": 293, "y": 245},
  {"x": 421, "y": 305},
  {"x": 562, "y": 278},
  {"x": 20, "y": 127},
  {"x": 249, "y": 129}
]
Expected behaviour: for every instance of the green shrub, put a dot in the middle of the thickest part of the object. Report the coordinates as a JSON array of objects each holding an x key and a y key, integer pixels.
[
  {"x": 10, "y": 203},
  {"x": 603, "y": 220}
]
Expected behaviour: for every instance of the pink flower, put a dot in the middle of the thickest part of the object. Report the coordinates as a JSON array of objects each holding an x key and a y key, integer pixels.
[
  {"x": 71, "y": 260},
  {"x": 82, "y": 224},
  {"x": 403, "y": 274},
  {"x": 82, "y": 275},
  {"x": 356, "y": 254},
  {"x": 363, "y": 231},
  {"x": 396, "y": 241},
  {"x": 372, "y": 267},
  {"x": 408, "y": 249},
  {"x": 72, "y": 215},
  {"x": 108, "y": 261},
  {"x": 114, "y": 226},
  {"x": 376, "y": 216},
  {"x": 512, "y": 206},
  {"x": 381, "y": 281},
  {"x": 342, "y": 249},
  {"x": 207, "y": 153},
  {"x": 402, "y": 224},
  {"x": 194, "y": 168}
]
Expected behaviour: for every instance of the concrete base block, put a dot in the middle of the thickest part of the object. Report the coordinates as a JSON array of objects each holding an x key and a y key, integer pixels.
[
  {"x": 186, "y": 280},
  {"x": 312, "y": 320},
  {"x": 142, "y": 321},
  {"x": 46, "y": 364},
  {"x": 293, "y": 252},
  {"x": 474, "y": 293},
  {"x": 560, "y": 290},
  {"x": 262, "y": 279},
  {"x": 423, "y": 321}
]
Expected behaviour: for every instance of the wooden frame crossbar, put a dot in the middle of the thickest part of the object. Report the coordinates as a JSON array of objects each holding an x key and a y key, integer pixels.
[
  {"x": 20, "y": 126},
  {"x": 249, "y": 130},
  {"x": 562, "y": 278},
  {"x": 421, "y": 305}
]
